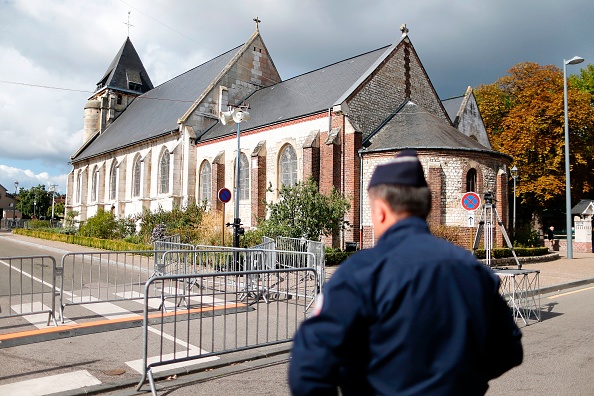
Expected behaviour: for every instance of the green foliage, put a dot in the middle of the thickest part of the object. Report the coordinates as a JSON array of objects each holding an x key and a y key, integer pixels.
[
  {"x": 97, "y": 243},
  {"x": 103, "y": 225},
  {"x": 525, "y": 236},
  {"x": 506, "y": 252},
  {"x": 302, "y": 211},
  {"x": 183, "y": 221},
  {"x": 336, "y": 256},
  {"x": 35, "y": 200},
  {"x": 584, "y": 81}
]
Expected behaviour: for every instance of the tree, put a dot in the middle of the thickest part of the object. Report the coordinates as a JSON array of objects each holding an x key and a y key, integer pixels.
[
  {"x": 524, "y": 116},
  {"x": 302, "y": 211},
  {"x": 585, "y": 81},
  {"x": 36, "y": 201}
]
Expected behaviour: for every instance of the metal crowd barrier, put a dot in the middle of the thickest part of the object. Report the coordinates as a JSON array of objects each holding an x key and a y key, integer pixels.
[
  {"x": 94, "y": 277},
  {"x": 28, "y": 286},
  {"x": 223, "y": 320}
]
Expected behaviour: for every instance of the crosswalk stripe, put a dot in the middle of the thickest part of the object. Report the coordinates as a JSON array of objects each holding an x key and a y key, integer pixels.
[{"x": 50, "y": 384}]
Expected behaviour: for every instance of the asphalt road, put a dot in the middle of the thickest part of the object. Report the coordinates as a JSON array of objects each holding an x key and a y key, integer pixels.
[{"x": 559, "y": 357}]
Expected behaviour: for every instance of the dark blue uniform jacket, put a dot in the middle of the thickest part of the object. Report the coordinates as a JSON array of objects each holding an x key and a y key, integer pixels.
[{"x": 415, "y": 315}]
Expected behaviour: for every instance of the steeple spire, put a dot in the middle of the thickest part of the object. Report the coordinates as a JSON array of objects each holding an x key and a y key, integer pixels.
[{"x": 128, "y": 23}]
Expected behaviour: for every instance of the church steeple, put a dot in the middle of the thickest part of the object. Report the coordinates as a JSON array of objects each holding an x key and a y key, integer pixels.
[
  {"x": 125, "y": 79},
  {"x": 126, "y": 72}
]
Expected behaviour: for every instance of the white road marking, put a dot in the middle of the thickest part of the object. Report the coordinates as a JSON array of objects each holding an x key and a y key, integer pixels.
[
  {"x": 50, "y": 384},
  {"x": 137, "y": 364},
  {"x": 105, "y": 309}
]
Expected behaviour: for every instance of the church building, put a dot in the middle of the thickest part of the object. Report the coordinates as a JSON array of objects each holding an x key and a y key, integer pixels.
[{"x": 146, "y": 147}]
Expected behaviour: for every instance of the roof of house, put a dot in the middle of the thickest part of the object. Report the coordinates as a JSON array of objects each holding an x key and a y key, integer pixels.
[
  {"x": 411, "y": 126},
  {"x": 585, "y": 205},
  {"x": 126, "y": 67},
  {"x": 156, "y": 112},
  {"x": 302, "y": 95}
]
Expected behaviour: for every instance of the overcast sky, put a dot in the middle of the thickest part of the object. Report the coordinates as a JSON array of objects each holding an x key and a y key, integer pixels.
[{"x": 53, "y": 53}]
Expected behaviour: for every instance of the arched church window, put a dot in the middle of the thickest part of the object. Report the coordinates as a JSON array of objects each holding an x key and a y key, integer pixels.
[
  {"x": 288, "y": 166},
  {"x": 79, "y": 187},
  {"x": 113, "y": 178},
  {"x": 136, "y": 177},
  {"x": 164, "y": 172},
  {"x": 95, "y": 185},
  {"x": 244, "y": 177},
  {"x": 205, "y": 180},
  {"x": 471, "y": 180}
]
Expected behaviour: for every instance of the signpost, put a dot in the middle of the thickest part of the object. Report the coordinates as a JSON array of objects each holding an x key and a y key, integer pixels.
[
  {"x": 470, "y": 201},
  {"x": 224, "y": 195}
]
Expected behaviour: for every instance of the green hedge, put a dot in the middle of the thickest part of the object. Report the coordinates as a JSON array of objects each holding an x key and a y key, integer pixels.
[
  {"x": 506, "y": 252},
  {"x": 336, "y": 256},
  {"x": 97, "y": 243}
]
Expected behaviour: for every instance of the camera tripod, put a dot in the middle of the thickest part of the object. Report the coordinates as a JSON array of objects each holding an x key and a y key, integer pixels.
[{"x": 486, "y": 223}]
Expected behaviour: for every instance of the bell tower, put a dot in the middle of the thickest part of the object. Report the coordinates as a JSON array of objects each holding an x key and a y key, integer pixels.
[{"x": 125, "y": 79}]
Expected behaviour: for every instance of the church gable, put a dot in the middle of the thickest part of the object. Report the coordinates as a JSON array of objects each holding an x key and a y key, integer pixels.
[
  {"x": 250, "y": 69},
  {"x": 466, "y": 117},
  {"x": 399, "y": 76}
]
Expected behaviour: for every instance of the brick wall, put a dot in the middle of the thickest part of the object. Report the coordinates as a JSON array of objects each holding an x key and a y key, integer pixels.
[{"x": 258, "y": 193}]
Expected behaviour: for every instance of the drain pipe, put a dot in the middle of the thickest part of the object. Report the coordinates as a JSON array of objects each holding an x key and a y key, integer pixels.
[{"x": 360, "y": 200}]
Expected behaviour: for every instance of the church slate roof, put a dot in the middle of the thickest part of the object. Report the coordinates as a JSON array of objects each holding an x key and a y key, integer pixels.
[
  {"x": 452, "y": 107},
  {"x": 126, "y": 67},
  {"x": 411, "y": 126},
  {"x": 156, "y": 112},
  {"x": 309, "y": 93}
]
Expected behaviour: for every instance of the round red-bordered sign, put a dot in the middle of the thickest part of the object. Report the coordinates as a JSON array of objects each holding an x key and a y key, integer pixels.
[
  {"x": 471, "y": 201},
  {"x": 224, "y": 195}
]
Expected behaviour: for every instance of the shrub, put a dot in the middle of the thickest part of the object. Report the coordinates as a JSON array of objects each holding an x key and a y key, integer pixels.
[
  {"x": 103, "y": 225},
  {"x": 336, "y": 256}
]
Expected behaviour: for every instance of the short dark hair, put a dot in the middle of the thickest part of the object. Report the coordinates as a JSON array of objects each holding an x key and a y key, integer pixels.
[{"x": 416, "y": 201}]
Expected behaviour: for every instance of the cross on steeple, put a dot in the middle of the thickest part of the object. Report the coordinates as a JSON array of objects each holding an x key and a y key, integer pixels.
[
  {"x": 128, "y": 23},
  {"x": 257, "y": 23},
  {"x": 404, "y": 30}
]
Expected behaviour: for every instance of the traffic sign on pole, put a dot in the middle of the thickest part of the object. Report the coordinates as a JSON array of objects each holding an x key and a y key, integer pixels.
[
  {"x": 224, "y": 195},
  {"x": 471, "y": 201}
]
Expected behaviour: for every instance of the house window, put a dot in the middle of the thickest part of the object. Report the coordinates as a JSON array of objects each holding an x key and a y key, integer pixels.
[
  {"x": 471, "y": 180},
  {"x": 136, "y": 176},
  {"x": 95, "y": 185},
  {"x": 244, "y": 177},
  {"x": 113, "y": 181},
  {"x": 164, "y": 172},
  {"x": 205, "y": 182},
  {"x": 288, "y": 166},
  {"x": 119, "y": 100}
]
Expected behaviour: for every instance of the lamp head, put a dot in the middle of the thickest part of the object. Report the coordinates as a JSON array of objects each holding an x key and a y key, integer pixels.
[
  {"x": 240, "y": 115},
  {"x": 574, "y": 61},
  {"x": 514, "y": 171},
  {"x": 226, "y": 117}
]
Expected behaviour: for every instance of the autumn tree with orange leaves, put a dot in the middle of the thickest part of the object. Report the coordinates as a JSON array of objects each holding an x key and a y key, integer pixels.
[{"x": 524, "y": 117}]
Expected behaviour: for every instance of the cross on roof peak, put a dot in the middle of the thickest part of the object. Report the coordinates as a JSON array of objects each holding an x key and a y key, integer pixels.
[
  {"x": 257, "y": 20},
  {"x": 404, "y": 30}
]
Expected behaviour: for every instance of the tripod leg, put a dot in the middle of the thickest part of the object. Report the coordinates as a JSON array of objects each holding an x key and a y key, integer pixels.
[{"x": 507, "y": 240}]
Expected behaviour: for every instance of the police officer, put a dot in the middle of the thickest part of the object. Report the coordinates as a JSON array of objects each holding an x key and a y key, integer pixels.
[{"x": 415, "y": 315}]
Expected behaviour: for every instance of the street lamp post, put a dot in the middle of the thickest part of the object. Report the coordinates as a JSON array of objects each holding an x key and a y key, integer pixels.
[
  {"x": 53, "y": 187},
  {"x": 514, "y": 172},
  {"x": 573, "y": 61},
  {"x": 34, "y": 205},
  {"x": 237, "y": 114},
  {"x": 16, "y": 186}
]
